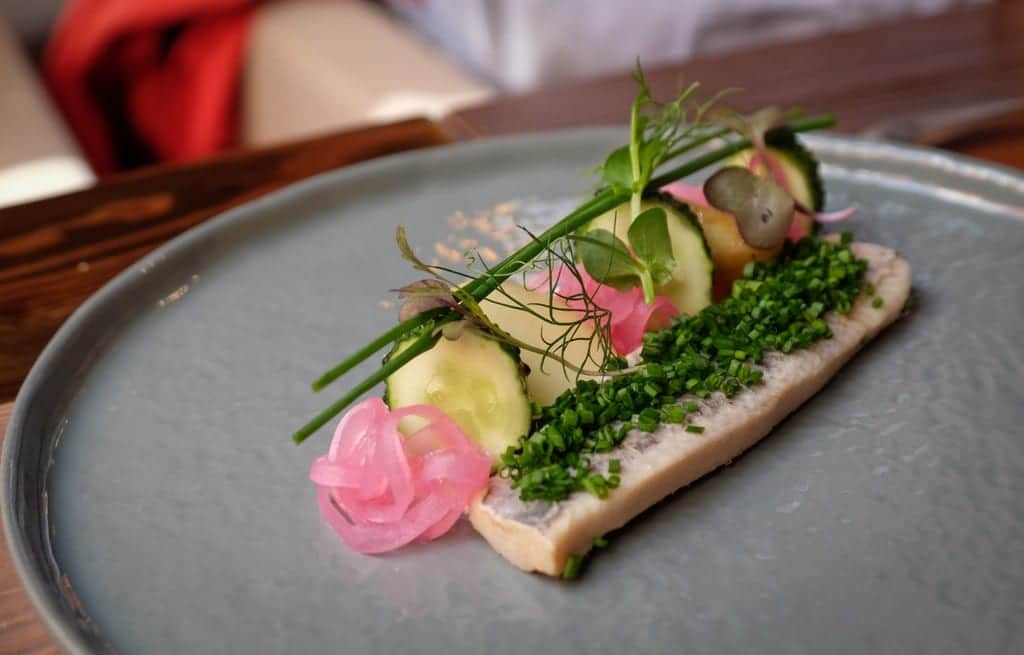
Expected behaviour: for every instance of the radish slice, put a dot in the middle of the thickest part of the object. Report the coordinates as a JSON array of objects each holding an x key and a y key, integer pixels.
[
  {"x": 780, "y": 176},
  {"x": 380, "y": 490},
  {"x": 630, "y": 315}
]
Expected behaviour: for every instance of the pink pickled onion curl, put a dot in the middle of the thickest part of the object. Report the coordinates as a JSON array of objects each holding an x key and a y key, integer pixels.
[
  {"x": 630, "y": 315},
  {"x": 380, "y": 490},
  {"x": 691, "y": 193}
]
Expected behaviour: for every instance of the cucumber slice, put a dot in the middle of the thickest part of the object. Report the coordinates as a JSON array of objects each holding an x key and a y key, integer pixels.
[
  {"x": 547, "y": 379},
  {"x": 690, "y": 288},
  {"x": 799, "y": 165},
  {"x": 473, "y": 379}
]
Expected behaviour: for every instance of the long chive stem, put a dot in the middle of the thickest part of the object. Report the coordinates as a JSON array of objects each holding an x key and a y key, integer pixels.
[
  {"x": 416, "y": 348},
  {"x": 605, "y": 201},
  {"x": 481, "y": 287},
  {"x": 383, "y": 340}
]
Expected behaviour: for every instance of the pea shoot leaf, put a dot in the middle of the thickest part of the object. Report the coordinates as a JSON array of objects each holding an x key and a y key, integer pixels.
[
  {"x": 606, "y": 258},
  {"x": 616, "y": 170},
  {"x": 649, "y": 237},
  {"x": 651, "y": 154}
]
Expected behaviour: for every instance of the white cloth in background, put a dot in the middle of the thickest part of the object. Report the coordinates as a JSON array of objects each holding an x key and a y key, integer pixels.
[
  {"x": 522, "y": 44},
  {"x": 42, "y": 178},
  {"x": 38, "y": 155}
]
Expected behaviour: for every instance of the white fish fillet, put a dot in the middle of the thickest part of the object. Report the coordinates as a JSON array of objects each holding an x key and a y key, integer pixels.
[{"x": 540, "y": 535}]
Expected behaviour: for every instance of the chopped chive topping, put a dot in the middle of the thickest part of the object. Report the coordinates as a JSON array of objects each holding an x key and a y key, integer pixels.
[
  {"x": 877, "y": 302},
  {"x": 614, "y": 466},
  {"x": 696, "y": 429},
  {"x": 777, "y": 306},
  {"x": 600, "y": 542},
  {"x": 673, "y": 413},
  {"x": 869, "y": 289},
  {"x": 572, "y": 567}
]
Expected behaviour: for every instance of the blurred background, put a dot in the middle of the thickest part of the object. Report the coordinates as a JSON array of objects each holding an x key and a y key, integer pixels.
[{"x": 94, "y": 87}]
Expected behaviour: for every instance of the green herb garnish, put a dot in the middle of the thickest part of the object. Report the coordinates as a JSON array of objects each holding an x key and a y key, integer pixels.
[
  {"x": 657, "y": 132},
  {"x": 572, "y": 567}
]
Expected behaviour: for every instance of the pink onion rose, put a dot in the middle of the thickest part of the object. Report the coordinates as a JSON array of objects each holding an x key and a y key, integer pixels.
[{"x": 380, "y": 490}]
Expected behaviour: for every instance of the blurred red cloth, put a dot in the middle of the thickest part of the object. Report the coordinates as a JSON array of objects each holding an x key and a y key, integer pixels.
[{"x": 168, "y": 68}]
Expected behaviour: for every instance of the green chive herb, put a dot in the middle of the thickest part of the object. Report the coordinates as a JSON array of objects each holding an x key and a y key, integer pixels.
[
  {"x": 572, "y": 567},
  {"x": 877, "y": 302},
  {"x": 778, "y": 306},
  {"x": 696, "y": 429}
]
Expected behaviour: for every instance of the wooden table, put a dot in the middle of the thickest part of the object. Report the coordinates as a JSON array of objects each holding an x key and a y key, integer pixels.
[{"x": 56, "y": 252}]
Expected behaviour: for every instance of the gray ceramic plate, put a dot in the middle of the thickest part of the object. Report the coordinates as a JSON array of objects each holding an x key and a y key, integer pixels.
[{"x": 154, "y": 502}]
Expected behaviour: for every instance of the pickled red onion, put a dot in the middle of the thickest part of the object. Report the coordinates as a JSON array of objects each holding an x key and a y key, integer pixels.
[
  {"x": 380, "y": 490},
  {"x": 690, "y": 193},
  {"x": 834, "y": 217},
  {"x": 797, "y": 230},
  {"x": 630, "y": 315}
]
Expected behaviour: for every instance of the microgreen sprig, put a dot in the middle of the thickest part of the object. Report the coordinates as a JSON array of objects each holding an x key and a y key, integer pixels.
[{"x": 657, "y": 132}]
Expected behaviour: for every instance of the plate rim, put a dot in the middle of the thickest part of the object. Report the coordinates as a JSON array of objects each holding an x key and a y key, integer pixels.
[{"x": 51, "y": 606}]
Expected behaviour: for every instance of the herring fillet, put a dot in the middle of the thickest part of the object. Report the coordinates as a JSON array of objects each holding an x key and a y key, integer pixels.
[{"x": 540, "y": 535}]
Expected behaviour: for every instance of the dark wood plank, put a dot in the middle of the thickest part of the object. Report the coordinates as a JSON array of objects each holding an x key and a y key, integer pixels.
[
  {"x": 866, "y": 76},
  {"x": 56, "y": 252},
  {"x": 1000, "y": 141}
]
